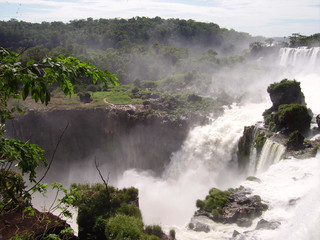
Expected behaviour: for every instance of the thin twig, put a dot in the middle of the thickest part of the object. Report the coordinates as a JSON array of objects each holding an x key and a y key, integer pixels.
[
  {"x": 52, "y": 157},
  {"x": 97, "y": 167},
  {"x": 51, "y": 207}
]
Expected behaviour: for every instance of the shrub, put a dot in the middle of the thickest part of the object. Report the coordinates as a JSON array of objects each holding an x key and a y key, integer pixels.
[
  {"x": 200, "y": 204},
  {"x": 172, "y": 233},
  {"x": 155, "y": 230},
  {"x": 293, "y": 117},
  {"x": 124, "y": 227},
  {"x": 216, "y": 200}
]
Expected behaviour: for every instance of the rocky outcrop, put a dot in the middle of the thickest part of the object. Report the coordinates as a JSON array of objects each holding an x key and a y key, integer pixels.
[
  {"x": 198, "y": 226},
  {"x": 117, "y": 138},
  {"x": 285, "y": 92},
  {"x": 318, "y": 120},
  {"x": 31, "y": 224},
  {"x": 295, "y": 141},
  {"x": 288, "y": 112},
  {"x": 244, "y": 146},
  {"x": 263, "y": 224},
  {"x": 240, "y": 207}
]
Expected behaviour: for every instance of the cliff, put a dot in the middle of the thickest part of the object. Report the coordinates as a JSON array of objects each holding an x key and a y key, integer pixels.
[{"x": 121, "y": 139}]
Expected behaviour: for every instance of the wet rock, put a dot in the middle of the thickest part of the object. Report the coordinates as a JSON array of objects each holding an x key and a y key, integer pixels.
[
  {"x": 293, "y": 202},
  {"x": 295, "y": 141},
  {"x": 318, "y": 120},
  {"x": 263, "y": 224},
  {"x": 237, "y": 236},
  {"x": 253, "y": 179},
  {"x": 244, "y": 146},
  {"x": 199, "y": 227},
  {"x": 239, "y": 208},
  {"x": 244, "y": 222},
  {"x": 285, "y": 92}
]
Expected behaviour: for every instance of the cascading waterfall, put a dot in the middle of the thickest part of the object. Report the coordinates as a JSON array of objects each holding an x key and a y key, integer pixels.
[
  {"x": 271, "y": 153},
  {"x": 290, "y": 187},
  {"x": 202, "y": 162},
  {"x": 302, "y": 57}
]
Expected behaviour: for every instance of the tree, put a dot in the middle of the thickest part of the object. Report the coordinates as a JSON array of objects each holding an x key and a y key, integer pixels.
[{"x": 18, "y": 81}]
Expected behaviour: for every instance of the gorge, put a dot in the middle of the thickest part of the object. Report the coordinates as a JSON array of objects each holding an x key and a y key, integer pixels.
[{"x": 173, "y": 167}]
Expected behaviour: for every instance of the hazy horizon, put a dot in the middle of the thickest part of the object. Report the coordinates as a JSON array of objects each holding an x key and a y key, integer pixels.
[{"x": 265, "y": 18}]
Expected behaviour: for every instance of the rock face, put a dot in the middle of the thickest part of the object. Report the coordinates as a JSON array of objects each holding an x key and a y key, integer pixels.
[
  {"x": 263, "y": 224},
  {"x": 239, "y": 208},
  {"x": 318, "y": 120},
  {"x": 285, "y": 92},
  {"x": 32, "y": 226},
  {"x": 295, "y": 141},
  {"x": 117, "y": 138},
  {"x": 244, "y": 146},
  {"x": 289, "y": 111},
  {"x": 199, "y": 227}
]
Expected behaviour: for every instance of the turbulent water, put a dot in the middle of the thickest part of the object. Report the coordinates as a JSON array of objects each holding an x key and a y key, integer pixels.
[{"x": 291, "y": 187}]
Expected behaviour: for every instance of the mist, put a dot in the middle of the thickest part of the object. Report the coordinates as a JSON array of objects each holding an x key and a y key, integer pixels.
[{"x": 205, "y": 159}]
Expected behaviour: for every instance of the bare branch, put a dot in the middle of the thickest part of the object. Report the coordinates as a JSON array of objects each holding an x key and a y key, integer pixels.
[
  {"x": 97, "y": 167},
  {"x": 52, "y": 157}
]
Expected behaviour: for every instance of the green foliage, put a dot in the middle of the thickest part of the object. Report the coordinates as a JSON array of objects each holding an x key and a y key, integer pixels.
[
  {"x": 122, "y": 227},
  {"x": 18, "y": 81},
  {"x": 155, "y": 230},
  {"x": 97, "y": 205},
  {"x": 172, "y": 233},
  {"x": 297, "y": 40},
  {"x": 293, "y": 117},
  {"x": 259, "y": 141},
  {"x": 283, "y": 86},
  {"x": 214, "y": 202}
]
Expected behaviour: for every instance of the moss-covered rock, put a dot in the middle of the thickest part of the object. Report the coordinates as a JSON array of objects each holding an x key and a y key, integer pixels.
[
  {"x": 295, "y": 141},
  {"x": 293, "y": 117},
  {"x": 285, "y": 92},
  {"x": 232, "y": 206}
]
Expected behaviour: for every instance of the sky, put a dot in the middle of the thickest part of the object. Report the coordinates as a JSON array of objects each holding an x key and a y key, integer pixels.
[{"x": 269, "y": 18}]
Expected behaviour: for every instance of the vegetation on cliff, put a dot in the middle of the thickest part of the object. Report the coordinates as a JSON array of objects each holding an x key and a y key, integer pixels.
[
  {"x": 289, "y": 111},
  {"x": 20, "y": 158},
  {"x": 105, "y": 212}
]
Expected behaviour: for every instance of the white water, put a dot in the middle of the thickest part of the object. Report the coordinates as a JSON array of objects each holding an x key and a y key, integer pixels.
[
  {"x": 204, "y": 162},
  {"x": 271, "y": 153},
  {"x": 301, "y": 58},
  {"x": 200, "y": 164}
]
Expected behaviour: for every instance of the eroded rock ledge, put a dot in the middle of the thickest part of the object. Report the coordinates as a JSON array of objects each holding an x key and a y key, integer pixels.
[{"x": 232, "y": 206}]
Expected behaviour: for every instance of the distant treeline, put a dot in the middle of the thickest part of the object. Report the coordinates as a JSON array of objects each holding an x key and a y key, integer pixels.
[
  {"x": 119, "y": 33},
  {"x": 140, "y": 48},
  {"x": 137, "y": 48}
]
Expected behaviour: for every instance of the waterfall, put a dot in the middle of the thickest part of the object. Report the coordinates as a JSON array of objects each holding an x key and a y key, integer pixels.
[
  {"x": 301, "y": 57},
  {"x": 271, "y": 153}
]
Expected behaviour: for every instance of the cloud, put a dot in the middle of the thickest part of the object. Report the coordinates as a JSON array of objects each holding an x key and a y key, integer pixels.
[{"x": 258, "y": 17}]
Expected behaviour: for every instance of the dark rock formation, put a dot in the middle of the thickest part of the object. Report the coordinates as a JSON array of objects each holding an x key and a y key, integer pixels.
[
  {"x": 117, "y": 138},
  {"x": 293, "y": 117},
  {"x": 244, "y": 146},
  {"x": 237, "y": 236},
  {"x": 318, "y": 120},
  {"x": 239, "y": 208},
  {"x": 199, "y": 226},
  {"x": 85, "y": 97},
  {"x": 295, "y": 141},
  {"x": 285, "y": 92},
  {"x": 263, "y": 224},
  {"x": 17, "y": 221},
  {"x": 253, "y": 179}
]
